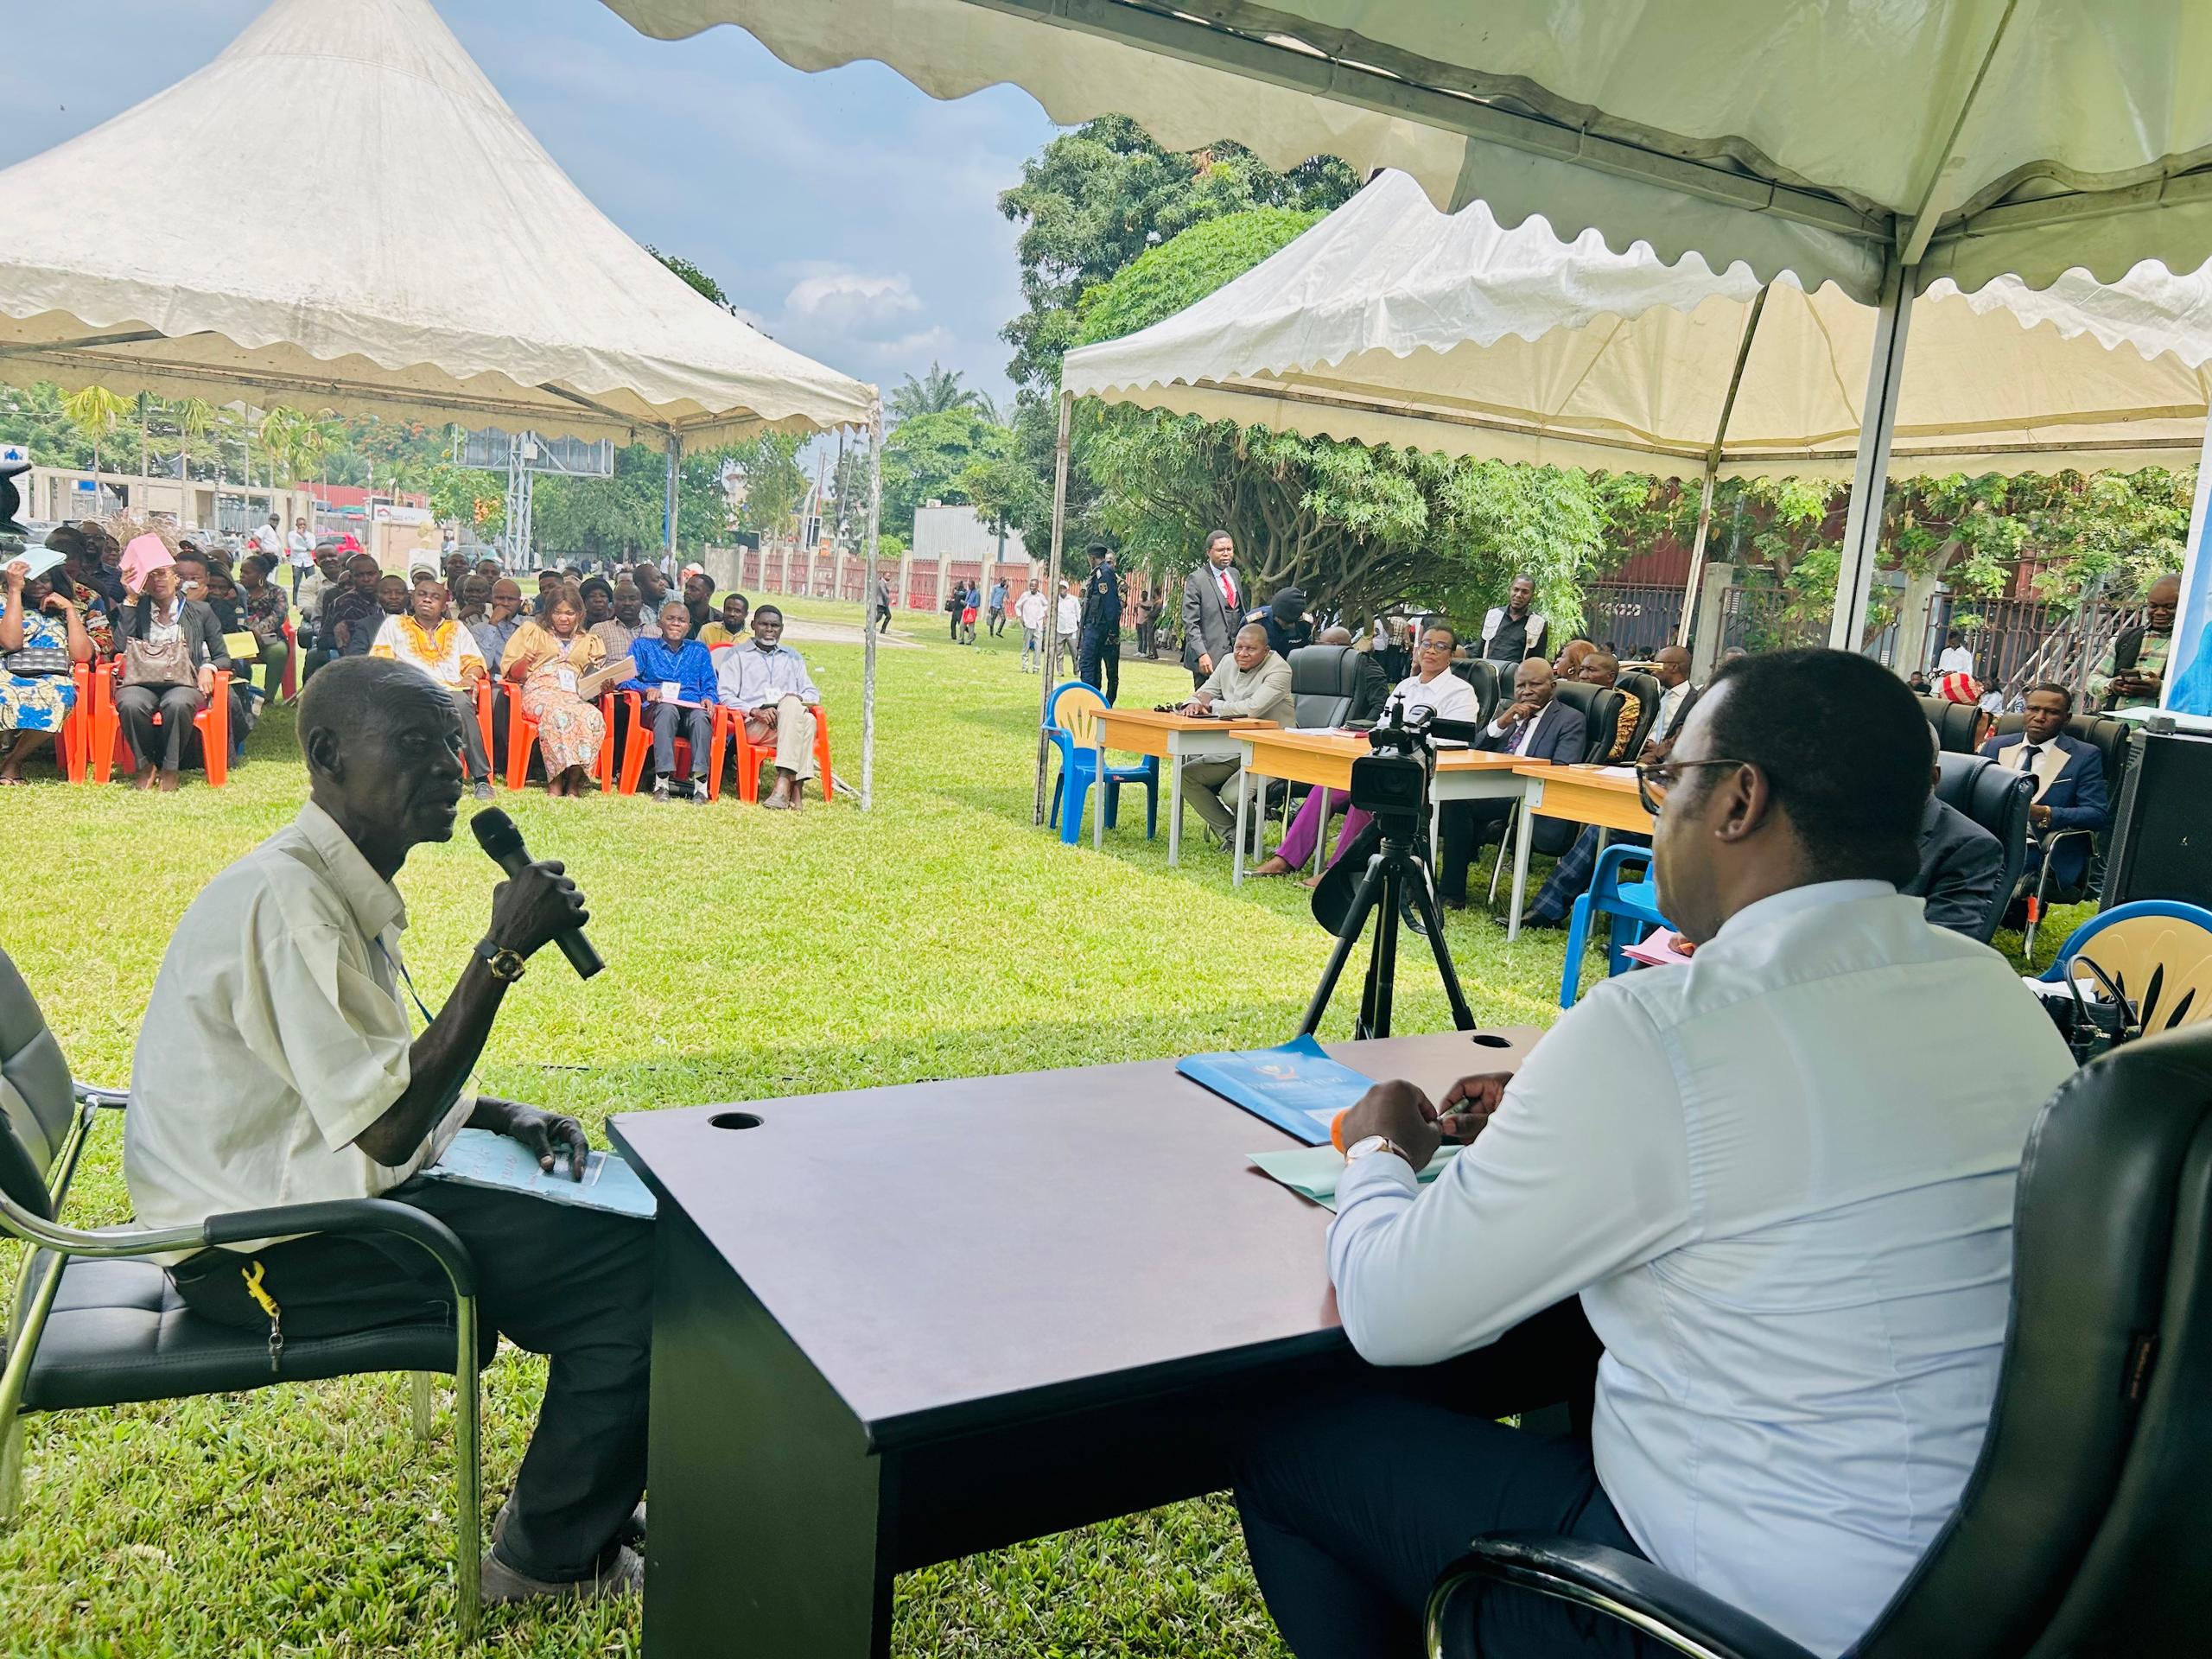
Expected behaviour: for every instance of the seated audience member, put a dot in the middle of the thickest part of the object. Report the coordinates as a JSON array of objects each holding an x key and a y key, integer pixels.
[
  {"x": 548, "y": 658},
  {"x": 277, "y": 1065},
  {"x": 490, "y": 569},
  {"x": 428, "y": 641},
  {"x": 1371, "y": 687},
  {"x": 1603, "y": 670},
  {"x": 1960, "y": 865},
  {"x": 473, "y": 601},
  {"x": 652, "y": 592},
  {"x": 1288, "y": 626},
  {"x": 1535, "y": 726},
  {"x": 1253, "y": 684},
  {"x": 550, "y": 583},
  {"x": 1568, "y": 666},
  {"x": 598, "y": 596},
  {"x": 2070, "y": 785},
  {"x": 263, "y": 608},
  {"x": 615, "y": 633},
  {"x": 1956, "y": 657},
  {"x": 1434, "y": 686},
  {"x": 766, "y": 682},
  {"x": 1965, "y": 689},
  {"x": 322, "y": 582},
  {"x": 352, "y": 617},
  {"x": 1799, "y": 1271},
  {"x": 698, "y": 597},
  {"x": 95, "y": 589},
  {"x": 171, "y": 647},
  {"x": 1677, "y": 696},
  {"x": 42, "y": 639},
  {"x": 503, "y": 619},
  {"x": 456, "y": 571},
  {"x": 675, "y": 683},
  {"x": 728, "y": 629}
]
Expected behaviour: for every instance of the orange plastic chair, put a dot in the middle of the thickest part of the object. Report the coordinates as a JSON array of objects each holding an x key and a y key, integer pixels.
[
  {"x": 73, "y": 742},
  {"x": 213, "y": 723},
  {"x": 751, "y": 756},
  {"x": 638, "y": 742},
  {"x": 290, "y": 683}
]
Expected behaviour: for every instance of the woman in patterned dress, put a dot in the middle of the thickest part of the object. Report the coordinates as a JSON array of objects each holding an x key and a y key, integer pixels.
[
  {"x": 33, "y": 617},
  {"x": 549, "y": 655}
]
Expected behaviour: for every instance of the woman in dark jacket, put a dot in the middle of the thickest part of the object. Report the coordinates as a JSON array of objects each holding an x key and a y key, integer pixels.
[{"x": 161, "y": 618}]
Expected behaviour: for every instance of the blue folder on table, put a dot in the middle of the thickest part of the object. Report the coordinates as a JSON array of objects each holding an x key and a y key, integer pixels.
[
  {"x": 1296, "y": 1087},
  {"x": 479, "y": 1158}
]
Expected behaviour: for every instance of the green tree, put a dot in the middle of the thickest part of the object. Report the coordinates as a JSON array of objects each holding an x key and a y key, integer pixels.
[
  {"x": 775, "y": 483},
  {"x": 697, "y": 278},
  {"x": 96, "y": 412},
  {"x": 928, "y": 458},
  {"x": 933, "y": 394}
]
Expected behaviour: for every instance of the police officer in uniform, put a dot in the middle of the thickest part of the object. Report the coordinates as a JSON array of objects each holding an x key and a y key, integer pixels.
[{"x": 1100, "y": 648}]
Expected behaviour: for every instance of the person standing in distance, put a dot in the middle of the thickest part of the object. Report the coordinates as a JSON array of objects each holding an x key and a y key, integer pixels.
[
  {"x": 277, "y": 1065},
  {"x": 1213, "y": 607},
  {"x": 1513, "y": 630},
  {"x": 1029, "y": 610},
  {"x": 1099, "y": 663}
]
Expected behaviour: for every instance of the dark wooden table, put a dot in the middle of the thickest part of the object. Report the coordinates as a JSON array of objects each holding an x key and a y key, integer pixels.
[{"x": 902, "y": 1324}]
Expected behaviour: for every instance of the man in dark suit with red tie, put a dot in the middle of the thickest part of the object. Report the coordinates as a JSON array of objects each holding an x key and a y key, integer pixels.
[{"x": 1214, "y": 606}]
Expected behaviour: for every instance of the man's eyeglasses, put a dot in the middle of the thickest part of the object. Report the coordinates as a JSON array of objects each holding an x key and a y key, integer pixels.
[{"x": 1654, "y": 778}]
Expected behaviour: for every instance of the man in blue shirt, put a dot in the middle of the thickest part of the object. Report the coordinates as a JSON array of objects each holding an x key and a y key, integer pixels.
[
  {"x": 676, "y": 678},
  {"x": 998, "y": 608}
]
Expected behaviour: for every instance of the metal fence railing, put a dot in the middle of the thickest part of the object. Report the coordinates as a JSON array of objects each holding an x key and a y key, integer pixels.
[
  {"x": 1637, "y": 618},
  {"x": 2018, "y": 642}
]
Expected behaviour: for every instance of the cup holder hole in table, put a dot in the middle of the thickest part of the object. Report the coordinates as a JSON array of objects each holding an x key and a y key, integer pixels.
[
  {"x": 734, "y": 1121},
  {"x": 1480, "y": 1040}
]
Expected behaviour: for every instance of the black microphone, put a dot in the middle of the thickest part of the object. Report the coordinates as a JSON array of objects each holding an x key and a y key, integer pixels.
[{"x": 497, "y": 835}]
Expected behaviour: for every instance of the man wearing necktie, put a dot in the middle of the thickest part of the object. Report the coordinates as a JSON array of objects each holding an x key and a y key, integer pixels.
[
  {"x": 1213, "y": 608},
  {"x": 2071, "y": 788},
  {"x": 1537, "y": 727}
]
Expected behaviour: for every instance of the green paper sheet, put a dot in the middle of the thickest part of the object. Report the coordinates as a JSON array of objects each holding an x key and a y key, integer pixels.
[{"x": 1312, "y": 1172}]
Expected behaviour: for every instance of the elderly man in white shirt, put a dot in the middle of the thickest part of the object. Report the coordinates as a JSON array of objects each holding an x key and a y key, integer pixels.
[
  {"x": 768, "y": 684},
  {"x": 1780, "y": 1178},
  {"x": 1029, "y": 610},
  {"x": 277, "y": 1065},
  {"x": 1066, "y": 619}
]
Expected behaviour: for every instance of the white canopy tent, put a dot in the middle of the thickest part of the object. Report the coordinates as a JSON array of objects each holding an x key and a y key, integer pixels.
[
  {"x": 1878, "y": 144},
  {"x": 470, "y": 280},
  {"x": 1391, "y": 322}
]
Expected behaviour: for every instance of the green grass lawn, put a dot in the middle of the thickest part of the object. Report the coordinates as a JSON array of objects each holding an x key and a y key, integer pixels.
[{"x": 749, "y": 955}]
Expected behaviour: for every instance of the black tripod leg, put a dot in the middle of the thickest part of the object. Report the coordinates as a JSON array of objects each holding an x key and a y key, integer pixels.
[
  {"x": 1463, "y": 1017},
  {"x": 1363, "y": 900},
  {"x": 1382, "y": 966}
]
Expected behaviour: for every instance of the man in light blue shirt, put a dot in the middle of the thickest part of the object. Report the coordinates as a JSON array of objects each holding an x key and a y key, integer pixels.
[
  {"x": 1780, "y": 1180},
  {"x": 767, "y": 683}
]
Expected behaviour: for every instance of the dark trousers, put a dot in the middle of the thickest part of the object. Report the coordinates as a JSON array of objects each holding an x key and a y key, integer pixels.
[
  {"x": 883, "y": 619},
  {"x": 135, "y": 705},
  {"x": 952, "y": 626},
  {"x": 1144, "y": 640},
  {"x": 995, "y": 625},
  {"x": 572, "y": 1284},
  {"x": 1468, "y": 826},
  {"x": 1355, "y": 1499},
  {"x": 1098, "y": 662},
  {"x": 1570, "y": 877},
  {"x": 668, "y": 721}
]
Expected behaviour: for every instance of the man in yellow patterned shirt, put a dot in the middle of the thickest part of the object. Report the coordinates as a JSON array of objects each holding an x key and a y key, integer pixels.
[{"x": 427, "y": 639}]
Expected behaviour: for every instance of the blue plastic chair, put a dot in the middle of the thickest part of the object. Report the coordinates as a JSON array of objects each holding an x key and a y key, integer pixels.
[
  {"x": 1074, "y": 705},
  {"x": 1633, "y": 902}
]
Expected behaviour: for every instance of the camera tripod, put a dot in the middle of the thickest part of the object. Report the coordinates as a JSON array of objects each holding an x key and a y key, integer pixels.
[{"x": 1395, "y": 875}]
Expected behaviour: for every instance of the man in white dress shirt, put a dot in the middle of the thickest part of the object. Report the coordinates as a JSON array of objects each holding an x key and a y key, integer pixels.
[
  {"x": 277, "y": 1065},
  {"x": 1780, "y": 1178},
  {"x": 767, "y": 683}
]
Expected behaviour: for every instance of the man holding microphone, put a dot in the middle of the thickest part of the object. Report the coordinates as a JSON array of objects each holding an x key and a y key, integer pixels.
[{"x": 277, "y": 1065}]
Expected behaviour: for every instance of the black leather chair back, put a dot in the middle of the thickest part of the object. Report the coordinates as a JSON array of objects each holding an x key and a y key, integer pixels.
[
  {"x": 1322, "y": 681},
  {"x": 1998, "y": 800},
  {"x": 1600, "y": 708},
  {"x": 1489, "y": 688},
  {"x": 1955, "y": 723},
  {"x": 2109, "y": 736},
  {"x": 1647, "y": 691},
  {"x": 2083, "y": 1529},
  {"x": 35, "y": 1098}
]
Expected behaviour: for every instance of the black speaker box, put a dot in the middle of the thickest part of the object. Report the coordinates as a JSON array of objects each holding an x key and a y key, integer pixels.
[{"x": 2162, "y": 831}]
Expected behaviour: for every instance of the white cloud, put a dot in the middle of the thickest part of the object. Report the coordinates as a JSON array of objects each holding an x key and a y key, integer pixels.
[{"x": 852, "y": 298}]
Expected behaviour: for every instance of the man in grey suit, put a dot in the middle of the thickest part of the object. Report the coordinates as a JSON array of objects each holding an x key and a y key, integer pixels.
[{"x": 1214, "y": 604}]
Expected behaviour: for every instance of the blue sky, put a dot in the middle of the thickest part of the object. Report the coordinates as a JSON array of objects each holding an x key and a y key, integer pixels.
[{"x": 851, "y": 216}]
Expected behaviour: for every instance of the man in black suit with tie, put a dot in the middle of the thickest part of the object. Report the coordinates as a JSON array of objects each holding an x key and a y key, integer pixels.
[
  {"x": 2071, "y": 788},
  {"x": 1214, "y": 604},
  {"x": 1535, "y": 726}
]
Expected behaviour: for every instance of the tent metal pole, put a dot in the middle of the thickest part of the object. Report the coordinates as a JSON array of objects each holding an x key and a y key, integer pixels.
[
  {"x": 1711, "y": 470},
  {"x": 868, "y": 607},
  {"x": 1053, "y": 603},
  {"x": 668, "y": 502},
  {"x": 1878, "y": 421}
]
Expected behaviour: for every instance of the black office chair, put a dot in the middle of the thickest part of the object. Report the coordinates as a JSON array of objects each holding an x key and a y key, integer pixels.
[
  {"x": 95, "y": 1323},
  {"x": 1490, "y": 684},
  {"x": 1323, "y": 679},
  {"x": 1958, "y": 725},
  {"x": 2110, "y": 739},
  {"x": 1998, "y": 800},
  {"x": 1600, "y": 708},
  {"x": 2083, "y": 1530},
  {"x": 1647, "y": 691}
]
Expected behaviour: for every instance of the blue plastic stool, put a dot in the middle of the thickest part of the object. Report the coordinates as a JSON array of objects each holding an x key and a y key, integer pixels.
[
  {"x": 1079, "y": 767},
  {"x": 1636, "y": 902}
]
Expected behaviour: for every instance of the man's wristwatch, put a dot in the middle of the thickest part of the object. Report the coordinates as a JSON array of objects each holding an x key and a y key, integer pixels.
[
  {"x": 1369, "y": 1144},
  {"x": 507, "y": 965}
]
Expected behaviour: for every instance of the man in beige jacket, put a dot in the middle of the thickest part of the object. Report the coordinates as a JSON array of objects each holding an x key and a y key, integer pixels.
[{"x": 1253, "y": 684}]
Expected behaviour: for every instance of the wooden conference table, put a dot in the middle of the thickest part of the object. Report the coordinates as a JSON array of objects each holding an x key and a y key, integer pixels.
[
  {"x": 1605, "y": 795},
  {"x": 902, "y": 1324},
  {"x": 1174, "y": 739},
  {"x": 1323, "y": 758}
]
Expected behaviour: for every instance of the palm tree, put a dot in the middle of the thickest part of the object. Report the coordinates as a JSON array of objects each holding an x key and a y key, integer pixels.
[
  {"x": 195, "y": 418},
  {"x": 96, "y": 412},
  {"x": 935, "y": 393}
]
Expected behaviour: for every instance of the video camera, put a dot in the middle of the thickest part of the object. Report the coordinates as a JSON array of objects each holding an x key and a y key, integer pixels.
[{"x": 1392, "y": 781}]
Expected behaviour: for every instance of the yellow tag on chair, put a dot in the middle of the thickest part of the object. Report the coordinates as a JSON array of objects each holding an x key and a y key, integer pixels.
[{"x": 262, "y": 1299}]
